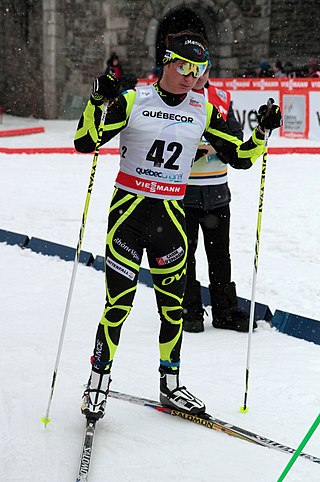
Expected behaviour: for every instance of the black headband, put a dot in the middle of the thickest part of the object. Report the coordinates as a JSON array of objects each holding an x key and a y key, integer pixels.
[{"x": 188, "y": 47}]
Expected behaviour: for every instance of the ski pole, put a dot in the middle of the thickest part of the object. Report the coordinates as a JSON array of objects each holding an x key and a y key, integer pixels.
[
  {"x": 304, "y": 442},
  {"x": 244, "y": 408},
  {"x": 46, "y": 419}
]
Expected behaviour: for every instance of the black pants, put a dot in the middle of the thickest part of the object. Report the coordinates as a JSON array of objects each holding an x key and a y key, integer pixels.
[
  {"x": 136, "y": 223},
  {"x": 215, "y": 225}
]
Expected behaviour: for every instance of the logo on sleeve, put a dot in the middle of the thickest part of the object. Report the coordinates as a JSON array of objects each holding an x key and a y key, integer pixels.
[{"x": 222, "y": 94}]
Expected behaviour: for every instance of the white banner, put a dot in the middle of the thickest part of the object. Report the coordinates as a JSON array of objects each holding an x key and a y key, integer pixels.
[
  {"x": 299, "y": 99},
  {"x": 314, "y": 109},
  {"x": 245, "y": 102}
]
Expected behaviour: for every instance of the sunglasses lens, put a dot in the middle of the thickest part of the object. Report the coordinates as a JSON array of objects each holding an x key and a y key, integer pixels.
[
  {"x": 201, "y": 69},
  {"x": 186, "y": 68}
]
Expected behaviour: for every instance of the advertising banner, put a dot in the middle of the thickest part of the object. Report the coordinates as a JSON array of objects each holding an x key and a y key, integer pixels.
[
  {"x": 245, "y": 103},
  {"x": 314, "y": 115},
  {"x": 295, "y": 114},
  {"x": 299, "y": 99}
]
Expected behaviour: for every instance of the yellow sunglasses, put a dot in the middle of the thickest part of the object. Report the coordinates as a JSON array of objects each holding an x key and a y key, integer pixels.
[{"x": 185, "y": 66}]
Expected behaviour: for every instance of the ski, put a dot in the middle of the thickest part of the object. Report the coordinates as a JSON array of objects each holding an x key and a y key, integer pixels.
[
  {"x": 213, "y": 423},
  {"x": 86, "y": 451}
]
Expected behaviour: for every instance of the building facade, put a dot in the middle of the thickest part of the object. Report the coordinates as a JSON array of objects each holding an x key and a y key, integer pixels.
[{"x": 50, "y": 50}]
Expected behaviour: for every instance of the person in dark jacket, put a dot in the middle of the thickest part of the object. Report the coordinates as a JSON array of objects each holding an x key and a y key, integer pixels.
[
  {"x": 313, "y": 68},
  {"x": 206, "y": 204},
  {"x": 114, "y": 66}
]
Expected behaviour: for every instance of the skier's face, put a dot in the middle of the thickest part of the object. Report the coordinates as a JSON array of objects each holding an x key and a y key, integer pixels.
[
  {"x": 201, "y": 82},
  {"x": 176, "y": 83}
]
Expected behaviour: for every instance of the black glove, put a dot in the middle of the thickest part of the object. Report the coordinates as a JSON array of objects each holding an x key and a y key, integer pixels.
[
  {"x": 269, "y": 118},
  {"x": 105, "y": 86}
]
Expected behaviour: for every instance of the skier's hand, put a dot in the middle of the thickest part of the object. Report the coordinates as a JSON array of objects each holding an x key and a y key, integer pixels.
[
  {"x": 269, "y": 117},
  {"x": 104, "y": 87}
]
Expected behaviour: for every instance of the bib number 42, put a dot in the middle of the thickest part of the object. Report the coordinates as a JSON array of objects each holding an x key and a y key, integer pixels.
[{"x": 157, "y": 152}]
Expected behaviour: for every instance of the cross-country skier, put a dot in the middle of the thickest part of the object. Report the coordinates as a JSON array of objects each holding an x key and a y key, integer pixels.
[{"x": 160, "y": 128}]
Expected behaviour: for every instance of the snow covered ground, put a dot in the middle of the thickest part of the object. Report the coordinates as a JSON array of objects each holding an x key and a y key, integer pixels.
[{"x": 43, "y": 196}]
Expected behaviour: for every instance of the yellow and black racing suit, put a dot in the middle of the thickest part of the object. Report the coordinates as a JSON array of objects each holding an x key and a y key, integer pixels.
[{"x": 159, "y": 136}]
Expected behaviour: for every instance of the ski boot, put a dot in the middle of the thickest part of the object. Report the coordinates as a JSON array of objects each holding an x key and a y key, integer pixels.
[
  {"x": 175, "y": 396},
  {"x": 95, "y": 395}
]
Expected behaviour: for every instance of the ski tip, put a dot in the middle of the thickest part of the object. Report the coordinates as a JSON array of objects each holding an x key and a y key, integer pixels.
[
  {"x": 244, "y": 409},
  {"x": 45, "y": 421}
]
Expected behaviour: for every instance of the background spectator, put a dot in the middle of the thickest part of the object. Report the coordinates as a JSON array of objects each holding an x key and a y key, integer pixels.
[
  {"x": 289, "y": 69},
  {"x": 264, "y": 69},
  {"x": 313, "y": 67},
  {"x": 114, "y": 65},
  {"x": 127, "y": 80},
  {"x": 277, "y": 69},
  {"x": 249, "y": 70}
]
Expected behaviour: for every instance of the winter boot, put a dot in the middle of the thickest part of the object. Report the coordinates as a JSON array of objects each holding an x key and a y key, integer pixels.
[
  {"x": 174, "y": 396},
  {"x": 225, "y": 311},
  {"x": 95, "y": 395},
  {"x": 192, "y": 309}
]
